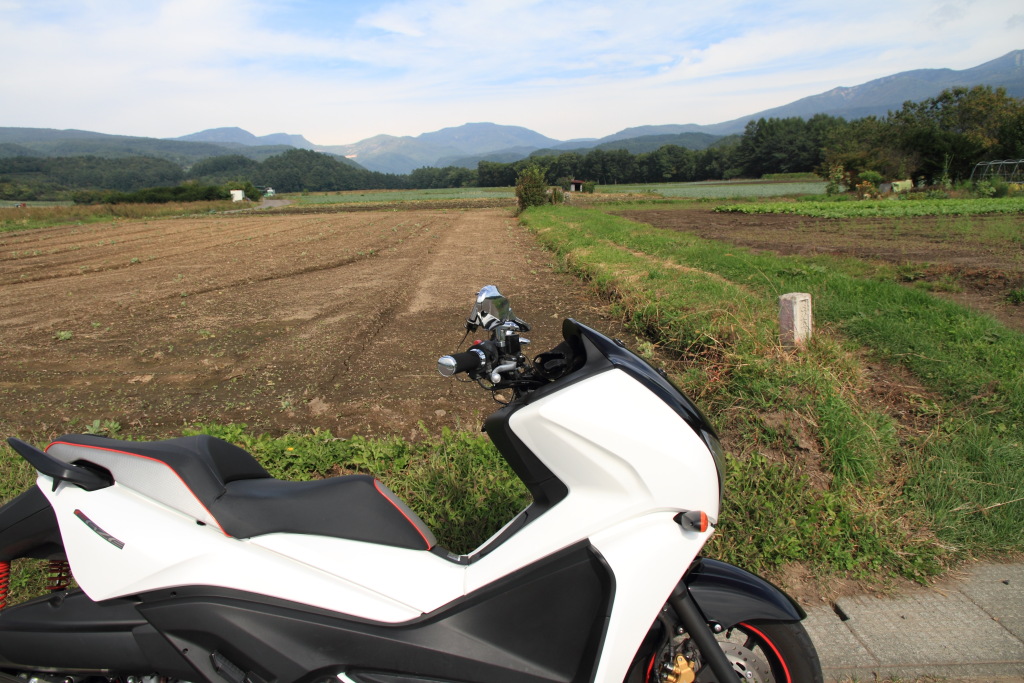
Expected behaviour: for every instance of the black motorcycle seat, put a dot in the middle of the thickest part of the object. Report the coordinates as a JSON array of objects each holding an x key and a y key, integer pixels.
[
  {"x": 356, "y": 506},
  {"x": 246, "y": 501}
]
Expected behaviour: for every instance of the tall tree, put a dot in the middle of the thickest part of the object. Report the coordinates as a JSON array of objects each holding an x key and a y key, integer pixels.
[
  {"x": 790, "y": 145},
  {"x": 958, "y": 128}
]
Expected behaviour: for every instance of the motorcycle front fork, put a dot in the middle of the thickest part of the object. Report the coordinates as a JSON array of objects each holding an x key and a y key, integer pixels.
[{"x": 702, "y": 635}]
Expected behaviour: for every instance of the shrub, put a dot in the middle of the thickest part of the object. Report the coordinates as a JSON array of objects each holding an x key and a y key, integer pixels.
[
  {"x": 873, "y": 177},
  {"x": 531, "y": 188},
  {"x": 992, "y": 187},
  {"x": 836, "y": 178},
  {"x": 865, "y": 189}
]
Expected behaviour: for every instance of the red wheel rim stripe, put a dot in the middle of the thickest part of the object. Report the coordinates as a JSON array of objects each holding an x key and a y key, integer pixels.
[{"x": 778, "y": 655}]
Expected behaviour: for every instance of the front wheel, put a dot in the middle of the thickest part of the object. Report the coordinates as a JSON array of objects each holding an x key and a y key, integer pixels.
[
  {"x": 759, "y": 652},
  {"x": 771, "y": 652}
]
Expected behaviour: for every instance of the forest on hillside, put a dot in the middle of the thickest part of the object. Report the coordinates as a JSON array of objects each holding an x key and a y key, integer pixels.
[{"x": 934, "y": 141}]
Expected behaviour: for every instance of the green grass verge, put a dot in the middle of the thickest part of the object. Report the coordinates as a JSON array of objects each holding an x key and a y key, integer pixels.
[{"x": 895, "y": 500}]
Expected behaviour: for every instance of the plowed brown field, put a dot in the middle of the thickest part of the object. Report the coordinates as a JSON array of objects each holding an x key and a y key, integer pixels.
[{"x": 331, "y": 320}]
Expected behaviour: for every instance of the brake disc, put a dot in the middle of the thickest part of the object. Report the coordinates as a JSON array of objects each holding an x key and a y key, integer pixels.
[{"x": 748, "y": 664}]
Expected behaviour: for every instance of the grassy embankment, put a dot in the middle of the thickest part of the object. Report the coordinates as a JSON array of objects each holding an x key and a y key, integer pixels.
[{"x": 903, "y": 498}]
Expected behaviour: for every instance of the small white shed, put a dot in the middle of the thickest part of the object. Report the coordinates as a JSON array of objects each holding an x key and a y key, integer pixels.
[{"x": 238, "y": 195}]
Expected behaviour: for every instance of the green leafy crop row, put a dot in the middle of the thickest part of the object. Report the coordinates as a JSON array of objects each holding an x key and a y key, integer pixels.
[{"x": 883, "y": 208}]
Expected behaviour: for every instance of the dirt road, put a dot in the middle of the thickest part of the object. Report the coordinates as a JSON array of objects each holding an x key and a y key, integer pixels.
[{"x": 279, "y": 321}]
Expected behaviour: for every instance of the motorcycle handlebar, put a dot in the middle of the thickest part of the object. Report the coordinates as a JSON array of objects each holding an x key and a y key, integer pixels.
[{"x": 461, "y": 362}]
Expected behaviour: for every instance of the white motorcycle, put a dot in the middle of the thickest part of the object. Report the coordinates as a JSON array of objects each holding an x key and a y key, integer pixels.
[{"x": 193, "y": 564}]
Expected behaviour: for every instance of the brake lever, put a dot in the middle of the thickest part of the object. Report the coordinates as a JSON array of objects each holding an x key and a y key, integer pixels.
[{"x": 504, "y": 367}]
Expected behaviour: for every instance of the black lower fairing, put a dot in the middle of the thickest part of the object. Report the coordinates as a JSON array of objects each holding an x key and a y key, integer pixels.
[
  {"x": 543, "y": 624},
  {"x": 28, "y": 528}
]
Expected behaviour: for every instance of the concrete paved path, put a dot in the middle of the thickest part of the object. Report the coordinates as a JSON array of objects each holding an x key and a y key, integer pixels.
[{"x": 965, "y": 629}]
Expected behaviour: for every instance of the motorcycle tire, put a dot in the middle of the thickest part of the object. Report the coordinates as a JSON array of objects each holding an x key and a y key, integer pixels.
[{"x": 771, "y": 652}]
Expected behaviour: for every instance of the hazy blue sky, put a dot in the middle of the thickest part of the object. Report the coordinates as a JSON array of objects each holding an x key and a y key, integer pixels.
[{"x": 339, "y": 72}]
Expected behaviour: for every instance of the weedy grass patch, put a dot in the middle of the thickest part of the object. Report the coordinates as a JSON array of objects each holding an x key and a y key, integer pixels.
[
  {"x": 907, "y": 502},
  {"x": 43, "y": 216}
]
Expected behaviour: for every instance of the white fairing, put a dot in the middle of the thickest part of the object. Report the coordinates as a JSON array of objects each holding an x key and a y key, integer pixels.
[
  {"x": 631, "y": 464},
  {"x": 629, "y": 461},
  {"x": 164, "y": 548},
  {"x": 658, "y": 466}
]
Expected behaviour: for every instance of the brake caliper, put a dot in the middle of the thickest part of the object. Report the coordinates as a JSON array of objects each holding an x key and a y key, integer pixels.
[{"x": 682, "y": 671}]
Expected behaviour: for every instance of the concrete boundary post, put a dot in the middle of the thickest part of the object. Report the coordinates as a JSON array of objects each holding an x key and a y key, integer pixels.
[{"x": 795, "y": 320}]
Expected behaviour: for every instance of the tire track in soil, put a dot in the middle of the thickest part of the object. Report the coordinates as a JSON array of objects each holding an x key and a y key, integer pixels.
[{"x": 382, "y": 368}]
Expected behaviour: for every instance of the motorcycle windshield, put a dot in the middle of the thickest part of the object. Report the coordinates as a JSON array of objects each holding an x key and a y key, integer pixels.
[{"x": 490, "y": 309}]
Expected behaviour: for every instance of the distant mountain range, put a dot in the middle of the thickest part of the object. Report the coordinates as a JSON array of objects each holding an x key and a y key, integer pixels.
[
  {"x": 468, "y": 144},
  {"x": 237, "y": 136},
  {"x": 49, "y": 142}
]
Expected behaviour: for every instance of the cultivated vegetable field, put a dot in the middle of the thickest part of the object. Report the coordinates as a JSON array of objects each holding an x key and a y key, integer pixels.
[{"x": 884, "y": 208}]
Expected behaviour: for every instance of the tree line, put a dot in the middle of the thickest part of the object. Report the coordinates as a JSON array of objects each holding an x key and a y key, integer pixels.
[
  {"x": 935, "y": 141},
  {"x": 100, "y": 179}
]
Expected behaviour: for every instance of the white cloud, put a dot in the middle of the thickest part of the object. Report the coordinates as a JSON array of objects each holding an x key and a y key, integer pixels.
[{"x": 340, "y": 71}]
